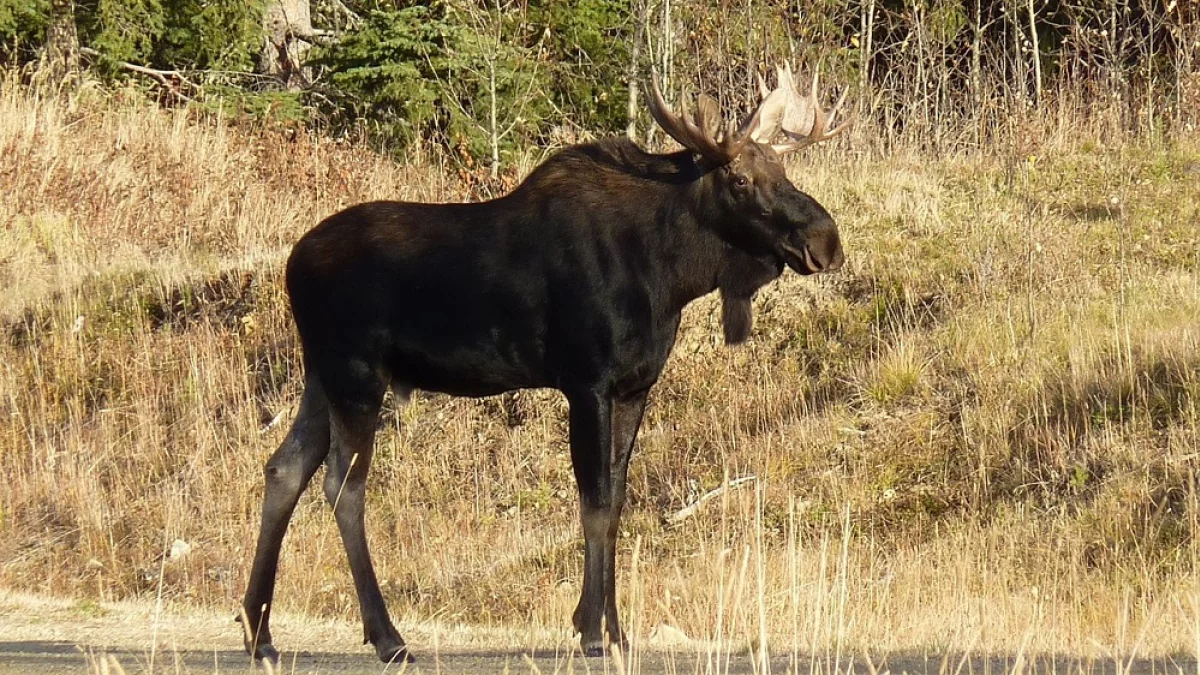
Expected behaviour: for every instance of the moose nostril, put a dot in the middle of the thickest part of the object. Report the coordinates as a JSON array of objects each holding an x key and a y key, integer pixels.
[
  {"x": 825, "y": 247},
  {"x": 839, "y": 259}
]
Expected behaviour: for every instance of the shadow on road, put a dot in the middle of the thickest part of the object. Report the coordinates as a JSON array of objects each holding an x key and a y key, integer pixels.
[{"x": 34, "y": 657}]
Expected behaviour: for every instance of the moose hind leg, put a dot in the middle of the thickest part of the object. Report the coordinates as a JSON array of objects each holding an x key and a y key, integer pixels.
[
  {"x": 353, "y": 435},
  {"x": 286, "y": 474}
]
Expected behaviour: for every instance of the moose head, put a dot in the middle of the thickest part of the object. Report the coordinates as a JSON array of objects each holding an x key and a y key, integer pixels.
[{"x": 752, "y": 204}]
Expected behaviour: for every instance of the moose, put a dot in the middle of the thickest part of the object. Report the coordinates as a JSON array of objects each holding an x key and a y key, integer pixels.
[{"x": 575, "y": 280}]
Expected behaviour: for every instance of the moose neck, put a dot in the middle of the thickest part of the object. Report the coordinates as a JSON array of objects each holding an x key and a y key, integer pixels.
[{"x": 705, "y": 261}]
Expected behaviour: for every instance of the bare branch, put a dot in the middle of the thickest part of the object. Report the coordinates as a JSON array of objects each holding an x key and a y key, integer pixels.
[
  {"x": 691, "y": 509},
  {"x": 352, "y": 19},
  {"x": 173, "y": 80}
]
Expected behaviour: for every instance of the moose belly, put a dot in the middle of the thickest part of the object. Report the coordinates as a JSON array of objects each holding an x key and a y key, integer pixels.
[
  {"x": 466, "y": 358},
  {"x": 463, "y": 373}
]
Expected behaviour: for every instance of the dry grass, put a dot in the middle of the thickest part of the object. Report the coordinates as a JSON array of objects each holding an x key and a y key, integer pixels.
[{"x": 981, "y": 435}]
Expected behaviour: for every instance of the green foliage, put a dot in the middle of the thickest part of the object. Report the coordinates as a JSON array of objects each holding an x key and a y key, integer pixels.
[
  {"x": 22, "y": 23},
  {"x": 268, "y": 106},
  {"x": 588, "y": 43},
  {"x": 438, "y": 71},
  {"x": 204, "y": 34},
  {"x": 389, "y": 68},
  {"x": 162, "y": 33},
  {"x": 503, "y": 72},
  {"x": 947, "y": 19},
  {"x": 124, "y": 30}
]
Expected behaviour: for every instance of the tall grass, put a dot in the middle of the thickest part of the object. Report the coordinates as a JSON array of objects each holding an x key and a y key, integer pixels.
[{"x": 981, "y": 435}]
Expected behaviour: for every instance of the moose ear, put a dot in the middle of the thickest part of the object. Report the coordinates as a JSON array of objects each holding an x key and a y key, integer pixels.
[{"x": 736, "y": 318}]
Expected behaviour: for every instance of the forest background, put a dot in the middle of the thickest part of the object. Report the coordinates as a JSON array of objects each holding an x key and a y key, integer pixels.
[{"x": 487, "y": 78}]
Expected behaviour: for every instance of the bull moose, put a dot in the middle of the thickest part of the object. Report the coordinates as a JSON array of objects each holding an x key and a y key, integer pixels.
[{"x": 576, "y": 281}]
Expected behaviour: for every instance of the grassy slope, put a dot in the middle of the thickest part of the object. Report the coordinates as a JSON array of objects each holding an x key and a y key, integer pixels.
[{"x": 980, "y": 435}]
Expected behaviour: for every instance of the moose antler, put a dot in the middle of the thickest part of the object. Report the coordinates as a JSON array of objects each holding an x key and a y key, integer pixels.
[
  {"x": 702, "y": 138},
  {"x": 800, "y": 118}
]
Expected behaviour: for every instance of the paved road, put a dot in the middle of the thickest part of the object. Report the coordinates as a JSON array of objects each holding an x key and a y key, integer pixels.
[
  {"x": 52, "y": 658},
  {"x": 46, "y": 658},
  {"x": 46, "y": 637}
]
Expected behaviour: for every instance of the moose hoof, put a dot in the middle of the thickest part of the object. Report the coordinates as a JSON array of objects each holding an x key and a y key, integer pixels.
[
  {"x": 594, "y": 648},
  {"x": 266, "y": 652},
  {"x": 598, "y": 648},
  {"x": 593, "y": 651},
  {"x": 395, "y": 654}
]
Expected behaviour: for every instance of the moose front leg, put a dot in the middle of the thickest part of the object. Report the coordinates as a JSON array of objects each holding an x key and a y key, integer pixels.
[
  {"x": 603, "y": 429},
  {"x": 626, "y": 419}
]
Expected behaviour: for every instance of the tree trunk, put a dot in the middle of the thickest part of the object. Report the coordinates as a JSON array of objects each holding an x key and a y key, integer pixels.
[
  {"x": 60, "y": 55},
  {"x": 1020, "y": 74},
  {"x": 634, "y": 72},
  {"x": 1036, "y": 50},
  {"x": 866, "y": 33},
  {"x": 287, "y": 37}
]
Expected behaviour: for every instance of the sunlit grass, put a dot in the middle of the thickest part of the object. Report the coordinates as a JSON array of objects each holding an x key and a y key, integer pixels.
[{"x": 980, "y": 436}]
